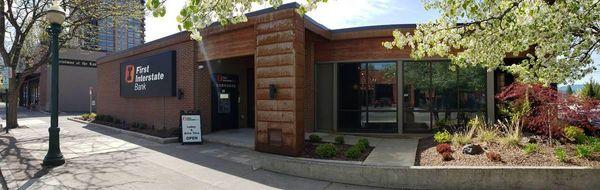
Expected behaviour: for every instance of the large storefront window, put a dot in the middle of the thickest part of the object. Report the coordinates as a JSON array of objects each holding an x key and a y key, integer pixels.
[
  {"x": 367, "y": 97},
  {"x": 435, "y": 96}
]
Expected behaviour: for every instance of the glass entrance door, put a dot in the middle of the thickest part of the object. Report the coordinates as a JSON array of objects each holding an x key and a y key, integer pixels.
[{"x": 367, "y": 97}]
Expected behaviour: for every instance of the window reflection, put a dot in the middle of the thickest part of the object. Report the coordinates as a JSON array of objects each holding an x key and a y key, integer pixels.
[
  {"x": 436, "y": 96},
  {"x": 368, "y": 97}
]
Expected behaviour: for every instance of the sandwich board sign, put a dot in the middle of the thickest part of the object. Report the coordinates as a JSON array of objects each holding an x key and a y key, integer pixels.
[{"x": 191, "y": 129}]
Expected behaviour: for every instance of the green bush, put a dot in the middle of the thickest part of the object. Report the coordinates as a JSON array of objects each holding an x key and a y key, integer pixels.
[
  {"x": 354, "y": 152},
  {"x": 339, "y": 139},
  {"x": 363, "y": 144},
  {"x": 574, "y": 134},
  {"x": 530, "y": 148},
  {"x": 583, "y": 151},
  {"x": 117, "y": 121},
  {"x": 594, "y": 143},
  {"x": 326, "y": 150},
  {"x": 92, "y": 116},
  {"x": 442, "y": 137},
  {"x": 461, "y": 138},
  {"x": 85, "y": 116},
  {"x": 314, "y": 138},
  {"x": 560, "y": 154}
]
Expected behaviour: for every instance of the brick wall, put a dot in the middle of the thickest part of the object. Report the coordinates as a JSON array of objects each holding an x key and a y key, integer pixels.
[
  {"x": 157, "y": 111},
  {"x": 280, "y": 62}
]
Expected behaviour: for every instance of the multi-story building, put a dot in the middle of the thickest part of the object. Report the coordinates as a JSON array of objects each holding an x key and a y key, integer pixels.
[{"x": 78, "y": 66}]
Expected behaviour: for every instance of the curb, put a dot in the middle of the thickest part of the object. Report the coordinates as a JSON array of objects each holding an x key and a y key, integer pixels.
[
  {"x": 132, "y": 133},
  {"x": 434, "y": 177}
]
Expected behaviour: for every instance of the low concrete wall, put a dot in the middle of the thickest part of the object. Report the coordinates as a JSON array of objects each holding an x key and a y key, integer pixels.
[
  {"x": 132, "y": 133},
  {"x": 434, "y": 177}
]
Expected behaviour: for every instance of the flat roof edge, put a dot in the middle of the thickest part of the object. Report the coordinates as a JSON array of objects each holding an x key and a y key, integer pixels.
[{"x": 161, "y": 42}]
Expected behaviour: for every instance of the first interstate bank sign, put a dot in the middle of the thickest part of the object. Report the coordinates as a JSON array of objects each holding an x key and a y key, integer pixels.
[{"x": 149, "y": 76}]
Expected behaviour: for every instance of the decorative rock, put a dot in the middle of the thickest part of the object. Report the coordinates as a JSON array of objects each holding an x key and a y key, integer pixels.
[{"x": 472, "y": 149}]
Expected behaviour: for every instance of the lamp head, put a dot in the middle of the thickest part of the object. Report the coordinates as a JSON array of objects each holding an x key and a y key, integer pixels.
[{"x": 55, "y": 15}]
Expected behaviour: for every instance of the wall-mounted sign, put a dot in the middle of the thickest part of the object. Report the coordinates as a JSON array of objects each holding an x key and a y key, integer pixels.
[
  {"x": 150, "y": 76},
  {"x": 191, "y": 129},
  {"x": 80, "y": 63}
]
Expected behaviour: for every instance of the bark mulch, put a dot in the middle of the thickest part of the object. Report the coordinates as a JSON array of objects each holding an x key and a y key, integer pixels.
[{"x": 511, "y": 156}]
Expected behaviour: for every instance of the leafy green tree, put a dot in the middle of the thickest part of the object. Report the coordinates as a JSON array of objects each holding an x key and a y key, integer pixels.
[
  {"x": 591, "y": 89},
  {"x": 25, "y": 41},
  {"x": 557, "y": 37}
]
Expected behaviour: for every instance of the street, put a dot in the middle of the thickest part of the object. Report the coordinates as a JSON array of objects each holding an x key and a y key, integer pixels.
[{"x": 99, "y": 159}]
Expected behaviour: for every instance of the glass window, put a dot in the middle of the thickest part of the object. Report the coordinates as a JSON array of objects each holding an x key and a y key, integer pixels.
[
  {"x": 368, "y": 97},
  {"x": 436, "y": 96}
]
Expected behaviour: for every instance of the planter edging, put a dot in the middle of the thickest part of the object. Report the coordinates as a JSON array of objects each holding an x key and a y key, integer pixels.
[
  {"x": 435, "y": 177},
  {"x": 132, "y": 133}
]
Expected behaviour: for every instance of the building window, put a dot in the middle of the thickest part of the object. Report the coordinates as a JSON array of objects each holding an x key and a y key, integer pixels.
[
  {"x": 435, "y": 96},
  {"x": 367, "y": 97}
]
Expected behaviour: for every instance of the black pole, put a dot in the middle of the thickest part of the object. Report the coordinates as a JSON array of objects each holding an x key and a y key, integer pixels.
[{"x": 54, "y": 157}]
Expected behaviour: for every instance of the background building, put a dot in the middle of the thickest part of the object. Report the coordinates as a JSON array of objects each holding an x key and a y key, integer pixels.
[{"x": 78, "y": 66}]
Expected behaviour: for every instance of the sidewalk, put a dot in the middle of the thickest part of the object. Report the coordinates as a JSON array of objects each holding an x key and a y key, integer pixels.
[{"x": 98, "y": 159}]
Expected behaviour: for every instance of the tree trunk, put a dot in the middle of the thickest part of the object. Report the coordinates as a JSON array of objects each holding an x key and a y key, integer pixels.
[{"x": 13, "y": 98}]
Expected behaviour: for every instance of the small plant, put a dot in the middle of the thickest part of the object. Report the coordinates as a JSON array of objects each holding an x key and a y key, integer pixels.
[
  {"x": 461, "y": 138},
  {"x": 574, "y": 134},
  {"x": 530, "y": 148},
  {"x": 339, "y": 139},
  {"x": 143, "y": 126},
  {"x": 594, "y": 143},
  {"x": 354, "y": 152},
  {"x": 447, "y": 156},
  {"x": 92, "y": 116},
  {"x": 364, "y": 143},
  {"x": 441, "y": 148},
  {"x": 488, "y": 133},
  {"x": 442, "y": 137},
  {"x": 326, "y": 150},
  {"x": 117, "y": 121},
  {"x": 85, "y": 116},
  {"x": 511, "y": 131},
  {"x": 560, "y": 154},
  {"x": 583, "y": 151},
  {"x": 314, "y": 138},
  {"x": 493, "y": 156}
]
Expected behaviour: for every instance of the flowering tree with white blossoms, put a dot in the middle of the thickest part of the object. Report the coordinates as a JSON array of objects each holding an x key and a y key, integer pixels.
[{"x": 557, "y": 37}]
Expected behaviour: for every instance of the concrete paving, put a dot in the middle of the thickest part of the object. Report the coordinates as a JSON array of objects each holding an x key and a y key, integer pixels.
[{"x": 100, "y": 159}]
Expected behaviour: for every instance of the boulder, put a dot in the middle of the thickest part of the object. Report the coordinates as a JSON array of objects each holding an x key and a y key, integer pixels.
[{"x": 472, "y": 149}]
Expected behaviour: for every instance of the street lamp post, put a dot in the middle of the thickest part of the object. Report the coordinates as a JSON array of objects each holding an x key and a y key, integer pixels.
[{"x": 55, "y": 16}]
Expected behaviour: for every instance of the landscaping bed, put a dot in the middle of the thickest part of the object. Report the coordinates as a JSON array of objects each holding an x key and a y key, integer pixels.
[
  {"x": 427, "y": 155},
  {"x": 309, "y": 152},
  {"x": 316, "y": 148},
  {"x": 136, "y": 127}
]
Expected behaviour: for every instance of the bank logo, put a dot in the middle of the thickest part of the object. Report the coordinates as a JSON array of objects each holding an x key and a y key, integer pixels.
[{"x": 129, "y": 74}]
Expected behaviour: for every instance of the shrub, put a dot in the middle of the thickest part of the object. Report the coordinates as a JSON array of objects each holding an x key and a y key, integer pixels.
[
  {"x": 442, "y": 137},
  {"x": 447, "y": 156},
  {"x": 326, "y": 150},
  {"x": 493, "y": 156},
  {"x": 594, "y": 143},
  {"x": 143, "y": 126},
  {"x": 85, "y": 116},
  {"x": 314, "y": 138},
  {"x": 354, "y": 152},
  {"x": 574, "y": 134},
  {"x": 117, "y": 121},
  {"x": 545, "y": 104},
  {"x": 92, "y": 116},
  {"x": 530, "y": 148},
  {"x": 364, "y": 143},
  {"x": 339, "y": 139},
  {"x": 560, "y": 154},
  {"x": 108, "y": 118},
  {"x": 441, "y": 148},
  {"x": 583, "y": 151}
]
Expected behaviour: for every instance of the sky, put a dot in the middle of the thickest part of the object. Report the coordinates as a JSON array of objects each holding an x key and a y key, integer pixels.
[{"x": 335, "y": 14}]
